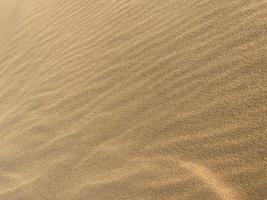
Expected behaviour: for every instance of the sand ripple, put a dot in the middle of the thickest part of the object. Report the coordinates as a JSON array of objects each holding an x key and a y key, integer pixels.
[{"x": 133, "y": 99}]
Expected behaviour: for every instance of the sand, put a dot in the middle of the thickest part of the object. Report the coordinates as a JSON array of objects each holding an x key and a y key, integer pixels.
[{"x": 133, "y": 99}]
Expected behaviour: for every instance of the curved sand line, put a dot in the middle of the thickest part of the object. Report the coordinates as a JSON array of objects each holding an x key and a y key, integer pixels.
[{"x": 211, "y": 180}]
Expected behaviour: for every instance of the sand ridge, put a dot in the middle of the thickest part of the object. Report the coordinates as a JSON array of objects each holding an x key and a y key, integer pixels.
[{"x": 133, "y": 99}]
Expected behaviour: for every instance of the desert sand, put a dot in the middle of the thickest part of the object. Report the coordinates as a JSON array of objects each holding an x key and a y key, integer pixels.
[{"x": 133, "y": 99}]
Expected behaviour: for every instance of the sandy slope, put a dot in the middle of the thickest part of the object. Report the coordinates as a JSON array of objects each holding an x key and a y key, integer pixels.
[{"x": 133, "y": 99}]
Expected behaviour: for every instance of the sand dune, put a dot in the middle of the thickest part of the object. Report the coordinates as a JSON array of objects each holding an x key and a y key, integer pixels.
[{"x": 133, "y": 99}]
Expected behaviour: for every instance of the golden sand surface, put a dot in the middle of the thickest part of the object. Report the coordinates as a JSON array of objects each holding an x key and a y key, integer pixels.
[{"x": 133, "y": 99}]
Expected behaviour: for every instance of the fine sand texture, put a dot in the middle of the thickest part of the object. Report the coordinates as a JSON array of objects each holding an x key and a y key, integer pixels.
[{"x": 133, "y": 99}]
